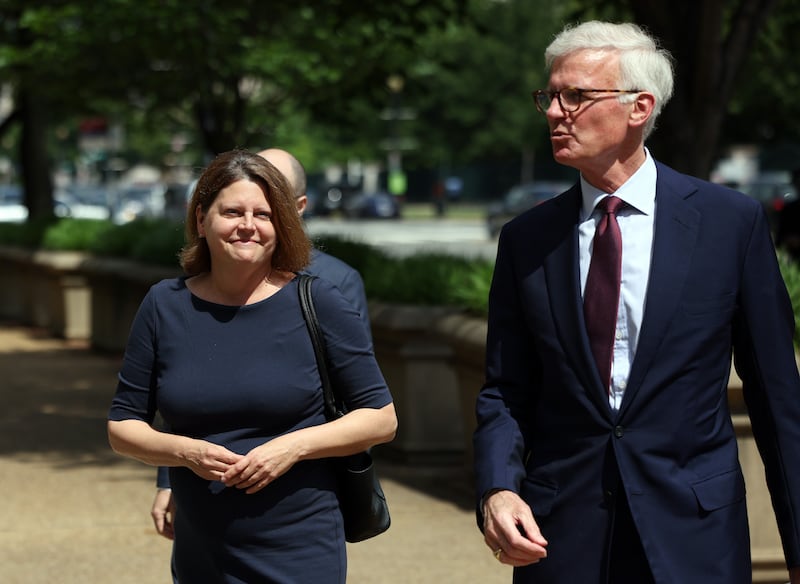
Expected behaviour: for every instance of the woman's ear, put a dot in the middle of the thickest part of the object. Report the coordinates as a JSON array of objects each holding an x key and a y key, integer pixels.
[{"x": 199, "y": 216}]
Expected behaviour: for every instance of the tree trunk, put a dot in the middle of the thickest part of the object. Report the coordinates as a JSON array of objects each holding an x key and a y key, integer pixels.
[
  {"x": 35, "y": 163},
  {"x": 709, "y": 47},
  {"x": 220, "y": 115}
]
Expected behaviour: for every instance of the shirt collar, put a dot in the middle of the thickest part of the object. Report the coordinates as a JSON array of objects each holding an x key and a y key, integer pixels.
[{"x": 639, "y": 191}]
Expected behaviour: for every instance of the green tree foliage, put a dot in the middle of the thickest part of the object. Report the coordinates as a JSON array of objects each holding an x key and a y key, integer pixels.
[
  {"x": 312, "y": 76},
  {"x": 764, "y": 108},
  {"x": 480, "y": 76},
  {"x": 711, "y": 42},
  {"x": 472, "y": 83},
  {"x": 231, "y": 66}
]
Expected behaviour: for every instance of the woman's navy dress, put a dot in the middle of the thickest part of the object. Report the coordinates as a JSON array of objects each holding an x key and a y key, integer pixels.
[{"x": 239, "y": 376}]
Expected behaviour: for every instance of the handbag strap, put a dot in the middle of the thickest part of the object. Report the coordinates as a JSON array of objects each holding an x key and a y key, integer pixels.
[{"x": 310, "y": 316}]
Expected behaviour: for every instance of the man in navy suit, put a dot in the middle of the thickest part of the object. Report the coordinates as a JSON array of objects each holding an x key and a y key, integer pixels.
[
  {"x": 322, "y": 265},
  {"x": 631, "y": 476}
]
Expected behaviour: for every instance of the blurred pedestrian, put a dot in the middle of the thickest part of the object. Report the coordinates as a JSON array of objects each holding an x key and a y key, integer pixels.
[
  {"x": 453, "y": 186},
  {"x": 437, "y": 194}
]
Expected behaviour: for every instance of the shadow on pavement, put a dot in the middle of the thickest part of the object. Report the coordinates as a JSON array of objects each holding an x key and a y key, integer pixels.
[
  {"x": 55, "y": 397},
  {"x": 449, "y": 483}
]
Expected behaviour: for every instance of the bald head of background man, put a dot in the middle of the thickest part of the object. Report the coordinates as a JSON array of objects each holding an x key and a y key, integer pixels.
[{"x": 294, "y": 172}]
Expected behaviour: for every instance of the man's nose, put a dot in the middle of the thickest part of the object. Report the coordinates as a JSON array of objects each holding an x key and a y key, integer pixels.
[{"x": 555, "y": 110}]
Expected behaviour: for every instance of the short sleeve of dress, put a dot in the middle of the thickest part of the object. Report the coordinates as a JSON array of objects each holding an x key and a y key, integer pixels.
[
  {"x": 355, "y": 374},
  {"x": 135, "y": 395}
]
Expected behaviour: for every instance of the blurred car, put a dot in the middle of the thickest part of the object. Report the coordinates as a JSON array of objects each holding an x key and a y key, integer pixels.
[
  {"x": 84, "y": 202},
  {"x": 328, "y": 200},
  {"x": 774, "y": 190},
  {"x": 380, "y": 205},
  {"x": 12, "y": 210},
  {"x": 176, "y": 199},
  {"x": 139, "y": 201},
  {"x": 313, "y": 202},
  {"x": 520, "y": 198}
]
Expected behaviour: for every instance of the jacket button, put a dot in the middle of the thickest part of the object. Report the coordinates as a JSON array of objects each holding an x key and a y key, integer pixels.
[{"x": 619, "y": 431}]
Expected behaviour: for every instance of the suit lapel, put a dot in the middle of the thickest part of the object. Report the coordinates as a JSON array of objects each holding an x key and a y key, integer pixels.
[
  {"x": 675, "y": 234},
  {"x": 566, "y": 300}
]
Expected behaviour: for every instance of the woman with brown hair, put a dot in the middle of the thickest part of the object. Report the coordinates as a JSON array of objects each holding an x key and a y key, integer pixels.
[{"x": 224, "y": 356}]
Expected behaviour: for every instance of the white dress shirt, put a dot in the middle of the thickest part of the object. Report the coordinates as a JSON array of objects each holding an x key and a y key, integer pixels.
[{"x": 636, "y": 227}]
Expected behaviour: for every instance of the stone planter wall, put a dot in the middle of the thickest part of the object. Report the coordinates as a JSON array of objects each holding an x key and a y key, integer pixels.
[
  {"x": 467, "y": 337},
  {"x": 15, "y": 266},
  {"x": 417, "y": 365},
  {"x": 118, "y": 287},
  {"x": 46, "y": 289}
]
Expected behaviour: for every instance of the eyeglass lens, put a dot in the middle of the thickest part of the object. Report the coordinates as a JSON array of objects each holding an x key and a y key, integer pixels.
[{"x": 569, "y": 99}]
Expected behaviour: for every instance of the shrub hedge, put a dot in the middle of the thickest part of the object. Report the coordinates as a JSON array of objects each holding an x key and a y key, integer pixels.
[
  {"x": 432, "y": 279},
  {"x": 429, "y": 279}
]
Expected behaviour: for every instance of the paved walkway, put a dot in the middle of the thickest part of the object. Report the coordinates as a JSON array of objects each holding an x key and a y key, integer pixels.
[{"x": 73, "y": 512}]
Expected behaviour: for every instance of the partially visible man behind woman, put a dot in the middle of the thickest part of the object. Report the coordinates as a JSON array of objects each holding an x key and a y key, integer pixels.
[{"x": 224, "y": 356}]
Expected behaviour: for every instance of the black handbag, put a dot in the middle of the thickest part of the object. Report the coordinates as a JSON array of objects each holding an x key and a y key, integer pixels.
[{"x": 361, "y": 497}]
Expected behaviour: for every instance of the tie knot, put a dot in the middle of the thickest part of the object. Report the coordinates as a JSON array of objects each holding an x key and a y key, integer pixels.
[{"x": 610, "y": 204}]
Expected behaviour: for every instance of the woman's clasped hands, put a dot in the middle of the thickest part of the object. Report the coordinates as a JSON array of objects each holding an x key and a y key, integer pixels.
[{"x": 261, "y": 466}]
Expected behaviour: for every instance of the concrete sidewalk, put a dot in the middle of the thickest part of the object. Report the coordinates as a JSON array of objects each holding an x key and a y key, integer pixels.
[{"x": 73, "y": 512}]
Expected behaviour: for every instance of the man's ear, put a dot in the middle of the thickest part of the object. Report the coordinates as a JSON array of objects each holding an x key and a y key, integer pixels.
[
  {"x": 301, "y": 203},
  {"x": 643, "y": 107}
]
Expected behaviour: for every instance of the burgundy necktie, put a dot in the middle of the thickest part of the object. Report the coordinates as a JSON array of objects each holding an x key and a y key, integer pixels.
[{"x": 601, "y": 295}]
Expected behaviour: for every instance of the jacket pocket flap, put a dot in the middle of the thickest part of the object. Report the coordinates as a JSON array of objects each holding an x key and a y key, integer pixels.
[{"x": 720, "y": 490}]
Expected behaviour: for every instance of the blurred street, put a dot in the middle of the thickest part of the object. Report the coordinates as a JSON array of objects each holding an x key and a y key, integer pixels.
[{"x": 467, "y": 237}]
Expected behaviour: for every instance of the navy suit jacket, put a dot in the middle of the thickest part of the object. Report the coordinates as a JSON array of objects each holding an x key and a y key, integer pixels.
[
  {"x": 345, "y": 278},
  {"x": 545, "y": 427}
]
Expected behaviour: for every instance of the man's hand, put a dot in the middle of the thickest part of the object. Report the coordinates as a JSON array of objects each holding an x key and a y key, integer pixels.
[
  {"x": 163, "y": 513},
  {"x": 510, "y": 530}
]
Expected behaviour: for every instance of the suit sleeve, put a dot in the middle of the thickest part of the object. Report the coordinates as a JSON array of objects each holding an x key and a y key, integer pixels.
[
  {"x": 352, "y": 287},
  {"x": 510, "y": 386},
  {"x": 355, "y": 373},
  {"x": 765, "y": 360}
]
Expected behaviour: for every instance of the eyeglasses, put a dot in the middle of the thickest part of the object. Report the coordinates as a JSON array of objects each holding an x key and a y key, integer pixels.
[{"x": 570, "y": 98}]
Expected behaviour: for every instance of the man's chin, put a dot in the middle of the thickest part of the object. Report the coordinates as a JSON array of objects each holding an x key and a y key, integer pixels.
[{"x": 564, "y": 156}]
